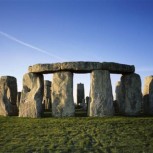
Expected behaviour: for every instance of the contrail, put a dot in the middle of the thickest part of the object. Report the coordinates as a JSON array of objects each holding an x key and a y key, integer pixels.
[{"x": 30, "y": 46}]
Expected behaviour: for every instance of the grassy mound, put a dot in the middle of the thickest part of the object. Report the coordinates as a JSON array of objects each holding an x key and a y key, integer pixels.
[{"x": 77, "y": 134}]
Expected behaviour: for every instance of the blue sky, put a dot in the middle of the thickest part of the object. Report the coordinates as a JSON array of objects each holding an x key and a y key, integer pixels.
[{"x": 46, "y": 31}]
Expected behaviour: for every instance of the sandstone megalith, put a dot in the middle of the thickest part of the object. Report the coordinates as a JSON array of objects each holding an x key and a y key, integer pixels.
[
  {"x": 8, "y": 96},
  {"x": 82, "y": 67},
  {"x": 131, "y": 90},
  {"x": 18, "y": 98},
  {"x": 47, "y": 94},
  {"x": 62, "y": 94},
  {"x": 119, "y": 98},
  {"x": 31, "y": 96},
  {"x": 80, "y": 93},
  {"x": 101, "y": 94},
  {"x": 148, "y": 96}
]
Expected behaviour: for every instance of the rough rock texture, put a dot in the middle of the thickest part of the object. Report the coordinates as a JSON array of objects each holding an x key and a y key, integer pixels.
[
  {"x": 148, "y": 96},
  {"x": 62, "y": 94},
  {"x": 82, "y": 67},
  {"x": 8, "y": 96},
  {"x": 80, "y": 93},
  {"x": 18, "y": 98},
  {"x": 47, "y": 94},
  {"x": 45, "y": 68},
  {"x": 120, "y": 105},
  {"x": 101, "y": 94},
  {"x": 31, "y": 96},
  {"x": 118, "y": 68},
  {"x": 131, "y": 90}
]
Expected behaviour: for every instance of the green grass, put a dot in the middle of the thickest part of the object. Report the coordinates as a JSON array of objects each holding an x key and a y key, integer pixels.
[{"x": 79, "y": 134}]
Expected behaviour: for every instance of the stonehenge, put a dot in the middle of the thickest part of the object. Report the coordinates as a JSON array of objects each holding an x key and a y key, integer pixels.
[
  {"x": 58, "y": 95},
  {"x": 148, "y": 96},
  {"x": 47, "y": 95},
  {"x": 8, "y": 96},
  {"x": 31, "y": 96},
  {"x": 62, "y": 94},
  {"x": 101, "y": 94},
  {"x": 131, "y": 95},
  {"x": 82, "y": 67},
  {"x": 80, "y": 93}
]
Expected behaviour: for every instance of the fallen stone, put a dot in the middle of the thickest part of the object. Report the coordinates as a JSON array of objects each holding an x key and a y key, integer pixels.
[
  {"x": 8, "y": 96},
  {"x": 31, "y": 96}
]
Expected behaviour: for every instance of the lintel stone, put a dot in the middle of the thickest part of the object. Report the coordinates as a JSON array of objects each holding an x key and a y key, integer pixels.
[{"x": 82, "y": 67}]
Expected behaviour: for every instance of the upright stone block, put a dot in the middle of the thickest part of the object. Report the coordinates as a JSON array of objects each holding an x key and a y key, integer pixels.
[
  {"x": 47, "y": 94},
  {"x": 18, "y": 98},
  {"x": 101, "y": 94},
  {"x": 80, "y": 93},
  {"x": 131, "y": 90},
  {"x": 148, "y": 96},
  {"x": 119, "y": 98},
  {"x": 8, "y": 96},
  {"x": 62, "y": 94},
  {"x": 31, "y": 96}
]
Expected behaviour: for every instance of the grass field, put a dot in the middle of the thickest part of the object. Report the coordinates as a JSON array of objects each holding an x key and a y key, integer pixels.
[{"x": 77, "y": 134}]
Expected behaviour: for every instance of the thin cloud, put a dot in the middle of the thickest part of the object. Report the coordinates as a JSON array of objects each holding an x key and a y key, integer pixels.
[{"x": 30, "y": 46}]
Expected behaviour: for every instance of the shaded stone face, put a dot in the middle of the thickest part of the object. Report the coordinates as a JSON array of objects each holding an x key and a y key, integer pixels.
[
  {"x": 31, "y": 96},
  {"x": 62, "y": 94},
  {"x": 148, "y": 96},
  {"x": 47, "y": 94},
  {"x": 8, "y": 96},
  {"x": 101, "y": 94},
  {"x": 18, "y": 98},
  {"x": 120, "y": 105},
  {"x": 80, "y": 93},
  {"x": 131, "y": 92}
]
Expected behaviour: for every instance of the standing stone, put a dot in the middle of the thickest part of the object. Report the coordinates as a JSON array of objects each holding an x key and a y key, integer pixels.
[
  {"x": 31, "y": 96},
  {"x": 47, "y": 94},
  {"x": 101, "y": 94},
  {"x": 62, "y": 94},
  {"x": 8, "y": 96},
  {"x": 131, "y": 90},
  {"x": 80, "y": 93},
  {"x": 18, "y": 98},
  {"x": 148, "y": 96},
  {"x": 119, "y": 103}
]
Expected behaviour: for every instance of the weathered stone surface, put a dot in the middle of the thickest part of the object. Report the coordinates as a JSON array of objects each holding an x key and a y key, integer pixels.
[
  {"x": 31, "y": 96},
  {"x": 148, "y": 96},
  {"x": 101, "y": 94},
  {"x": 47, "y": 94},
  {"x": 8, "y": 96},
  {"x": 62, "y": 94},
  {"x": 131, "y": 90},
  {"x": 45, "y": 68},
  {"x": 118, "y": 68},
  {"x": 18, "y": 98},
  {"x": 80, "y": 93},
  {"x": 82, "y": 67},
  {"x": 120, "y": 105}
]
